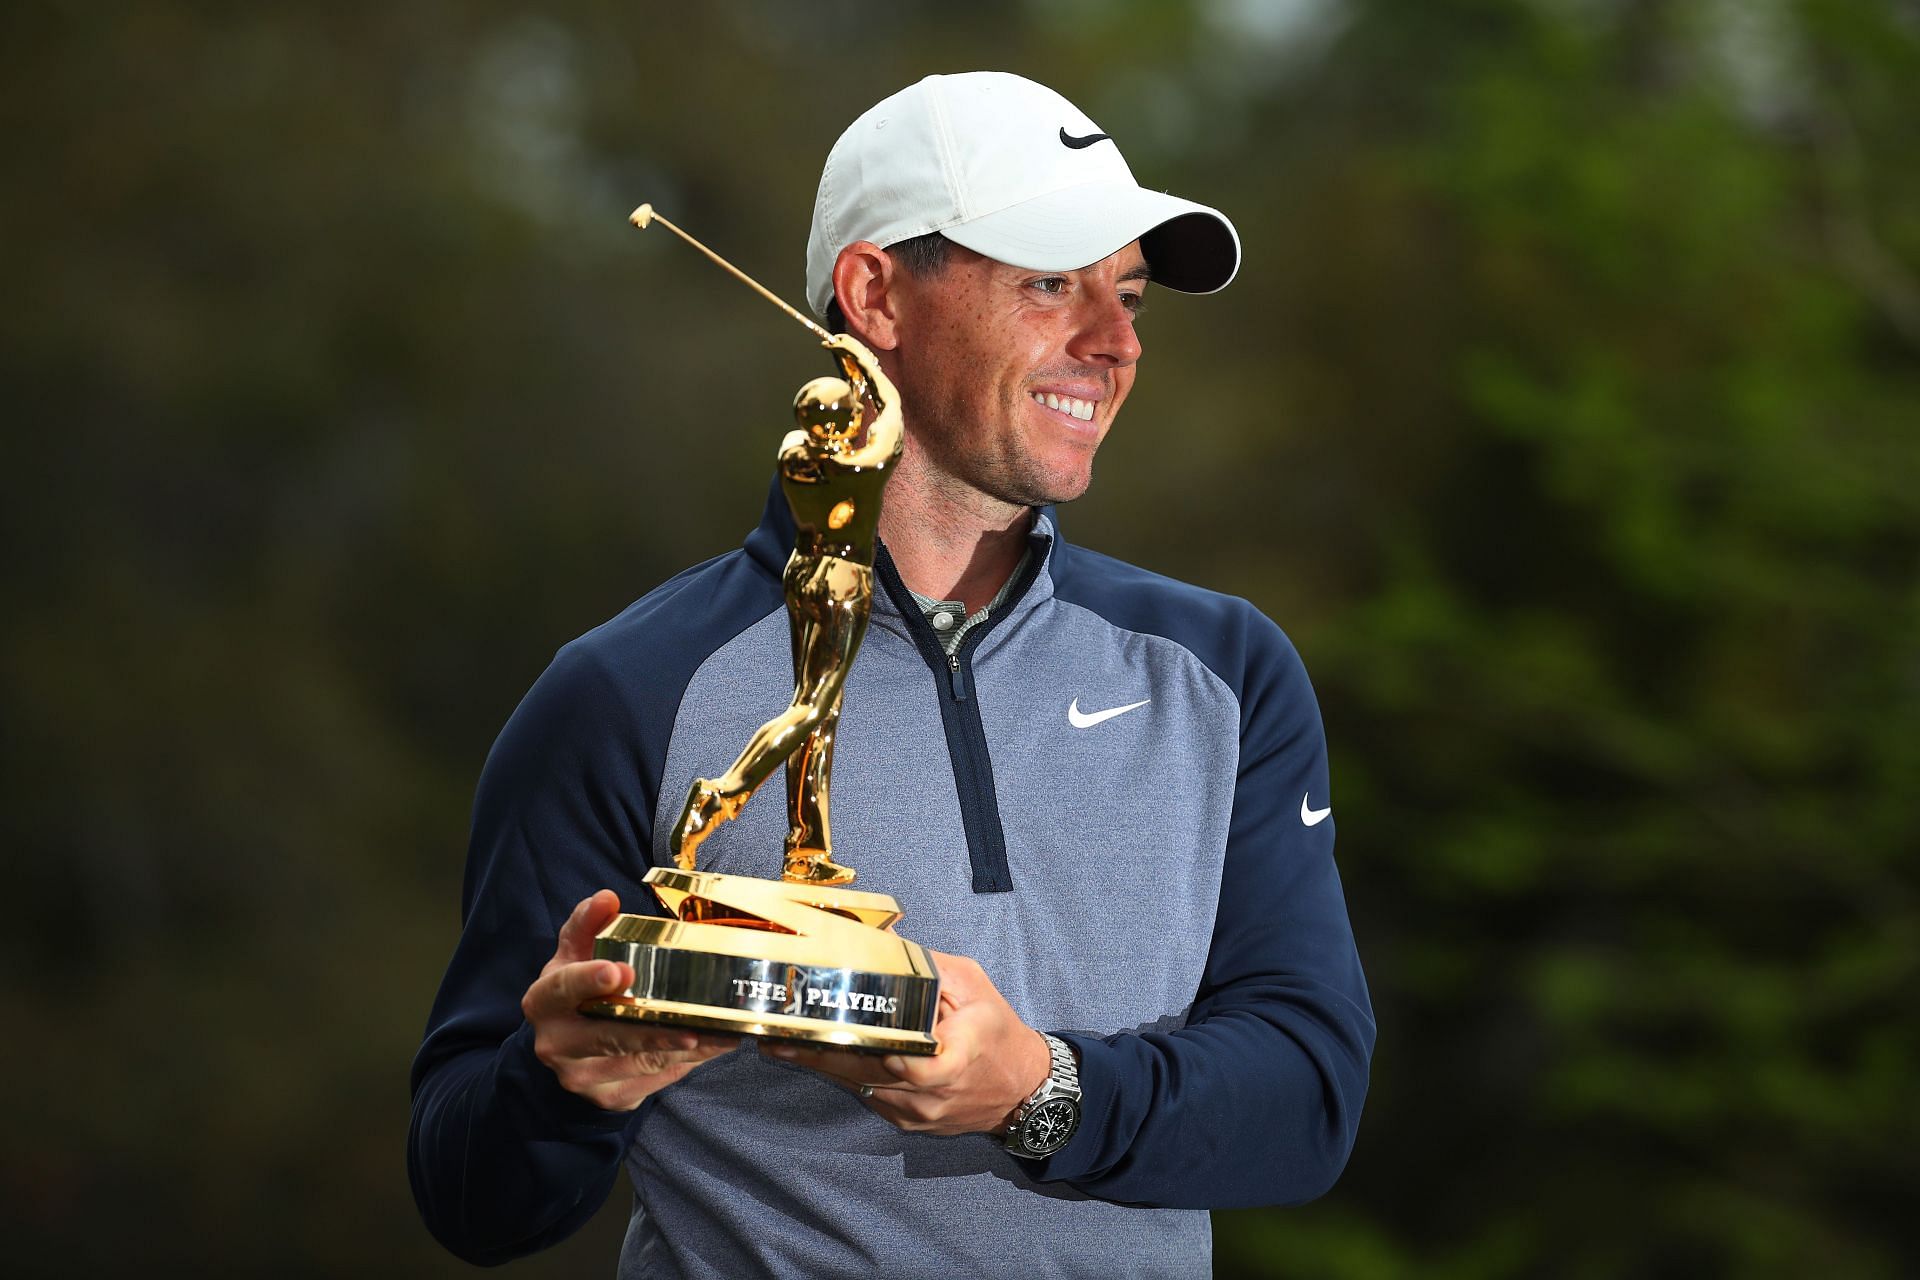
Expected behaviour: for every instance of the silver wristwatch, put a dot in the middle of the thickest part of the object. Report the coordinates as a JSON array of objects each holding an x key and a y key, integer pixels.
[{"x": 1047, "y": 1119}]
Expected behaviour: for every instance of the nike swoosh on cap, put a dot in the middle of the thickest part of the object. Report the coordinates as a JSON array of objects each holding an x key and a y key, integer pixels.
[
  {"x": 1087, "y": 719},
  {"x": 1080, "y": 143},
  {"x": 1312, "y": 817}
]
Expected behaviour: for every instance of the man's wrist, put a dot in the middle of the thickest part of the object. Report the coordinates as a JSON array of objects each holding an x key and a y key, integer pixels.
[
  {"x": 1036, "y": 1064},
  {"x": 1050, "y": 1116}
]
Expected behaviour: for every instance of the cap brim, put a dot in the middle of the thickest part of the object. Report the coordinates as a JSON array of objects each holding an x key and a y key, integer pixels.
[{"x": 1188, "y": 246}]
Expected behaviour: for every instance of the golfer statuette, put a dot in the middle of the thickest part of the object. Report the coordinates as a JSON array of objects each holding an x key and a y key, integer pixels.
[{"x": 797, "y": 958}]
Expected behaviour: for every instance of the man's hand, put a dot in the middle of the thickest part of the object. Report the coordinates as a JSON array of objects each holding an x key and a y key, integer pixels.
[
  {"x": 613, "y": 1065},
  {"x": 858, "y": 364},
  {"x": 989, "y": 1061},
  {"x": 850, "y": 346}
]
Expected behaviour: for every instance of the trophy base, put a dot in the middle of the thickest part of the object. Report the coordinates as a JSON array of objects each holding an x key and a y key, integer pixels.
[
  {"x": 771, "y": 958},
  {"x": 765, "y": 1026}
]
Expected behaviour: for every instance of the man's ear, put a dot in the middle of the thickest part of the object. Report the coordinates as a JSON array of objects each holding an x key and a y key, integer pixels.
[{"x": 865, "y": 281}]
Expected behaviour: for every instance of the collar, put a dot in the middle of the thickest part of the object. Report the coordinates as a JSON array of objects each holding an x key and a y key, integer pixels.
[{"x": 771, "y": 542}]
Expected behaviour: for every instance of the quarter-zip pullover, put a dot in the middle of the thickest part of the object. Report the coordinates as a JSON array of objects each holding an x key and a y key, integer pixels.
[{"x": 1100, "y": 795}]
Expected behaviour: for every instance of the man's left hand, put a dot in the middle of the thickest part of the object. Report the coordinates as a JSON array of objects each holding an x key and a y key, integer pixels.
[{"x": 989, "y": 1061}]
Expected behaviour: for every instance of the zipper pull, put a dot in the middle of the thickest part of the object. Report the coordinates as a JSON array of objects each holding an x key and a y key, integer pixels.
[{"x": 958, "y": 677}]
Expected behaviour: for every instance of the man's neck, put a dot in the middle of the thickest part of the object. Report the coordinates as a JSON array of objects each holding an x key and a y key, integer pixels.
[{"x": 952, "y": 545}]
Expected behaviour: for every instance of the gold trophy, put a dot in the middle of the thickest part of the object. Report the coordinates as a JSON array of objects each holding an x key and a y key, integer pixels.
[{"x": 797, "y": 958}]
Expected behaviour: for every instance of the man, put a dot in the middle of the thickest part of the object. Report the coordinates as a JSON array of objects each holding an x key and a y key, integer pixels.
[{"x": 1100, "y": 794}]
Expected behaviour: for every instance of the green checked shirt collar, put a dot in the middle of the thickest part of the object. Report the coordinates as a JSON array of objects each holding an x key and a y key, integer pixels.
[{"x": 949, "y": 618}]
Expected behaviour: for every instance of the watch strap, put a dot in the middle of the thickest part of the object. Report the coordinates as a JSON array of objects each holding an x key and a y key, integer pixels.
[{"x": 1061, "y": 1085}]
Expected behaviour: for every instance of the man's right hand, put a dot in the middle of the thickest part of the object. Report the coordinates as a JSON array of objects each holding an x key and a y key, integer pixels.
[
  {"x": 614, "y": 1065},
  {"x": 854, "y": 357}
]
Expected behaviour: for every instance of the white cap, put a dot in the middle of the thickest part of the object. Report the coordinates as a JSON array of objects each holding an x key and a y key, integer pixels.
[{"x": 1009, "y": 169}]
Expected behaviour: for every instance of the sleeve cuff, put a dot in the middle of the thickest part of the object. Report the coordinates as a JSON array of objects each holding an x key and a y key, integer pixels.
[{"x": 1075, "y": 1160}]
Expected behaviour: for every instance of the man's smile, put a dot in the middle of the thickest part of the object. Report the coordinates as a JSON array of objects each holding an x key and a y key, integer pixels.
[{"x": 1073, "y": 406}]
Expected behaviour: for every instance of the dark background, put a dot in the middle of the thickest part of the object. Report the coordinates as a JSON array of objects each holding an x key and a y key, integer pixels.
[{"x": 1564, "y": 413}]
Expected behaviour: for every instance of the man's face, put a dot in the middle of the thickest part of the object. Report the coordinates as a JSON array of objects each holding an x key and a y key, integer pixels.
[{"x": 1010, "y": 377}]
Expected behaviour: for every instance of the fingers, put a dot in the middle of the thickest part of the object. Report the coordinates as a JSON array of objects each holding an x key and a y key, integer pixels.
[
  {"x": 627, "y": 1049},
  {"x": 866, "y": 1079},
  {"x": 960, "y": 1032},
  {"x": 588, "y": 919},
  {"x": 955, "y": 1091},
  {"x": 561, "y": 1031},
  {"x": 613, "y": 1064},
  {"x": 888, "y": 1086},
  {"x": 573, "y": 951},
  {"x": 621, "y": 1081},
  {"x": 842, "y": 1066},
  {"x": 672, "y": 1052},
  {"x": 989, "y": 1061},
  {"x": 962, "y": 980},
  {"x": 563, "y": 988},
  {"x": 589, "y": 1055}
]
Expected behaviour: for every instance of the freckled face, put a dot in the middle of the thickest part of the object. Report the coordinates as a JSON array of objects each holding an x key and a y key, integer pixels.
[{"x": 1010, "y": 378}]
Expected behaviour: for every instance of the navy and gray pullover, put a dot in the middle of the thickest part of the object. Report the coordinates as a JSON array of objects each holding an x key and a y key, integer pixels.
[{"x": 1150, "y": 887}]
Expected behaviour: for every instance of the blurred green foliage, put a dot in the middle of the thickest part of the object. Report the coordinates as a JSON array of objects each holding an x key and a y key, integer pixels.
[{"x": 1564, "y": 413}]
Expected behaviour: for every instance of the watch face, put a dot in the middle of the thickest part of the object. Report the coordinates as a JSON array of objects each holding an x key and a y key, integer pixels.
[{"x": 1049, "y": 1125}]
